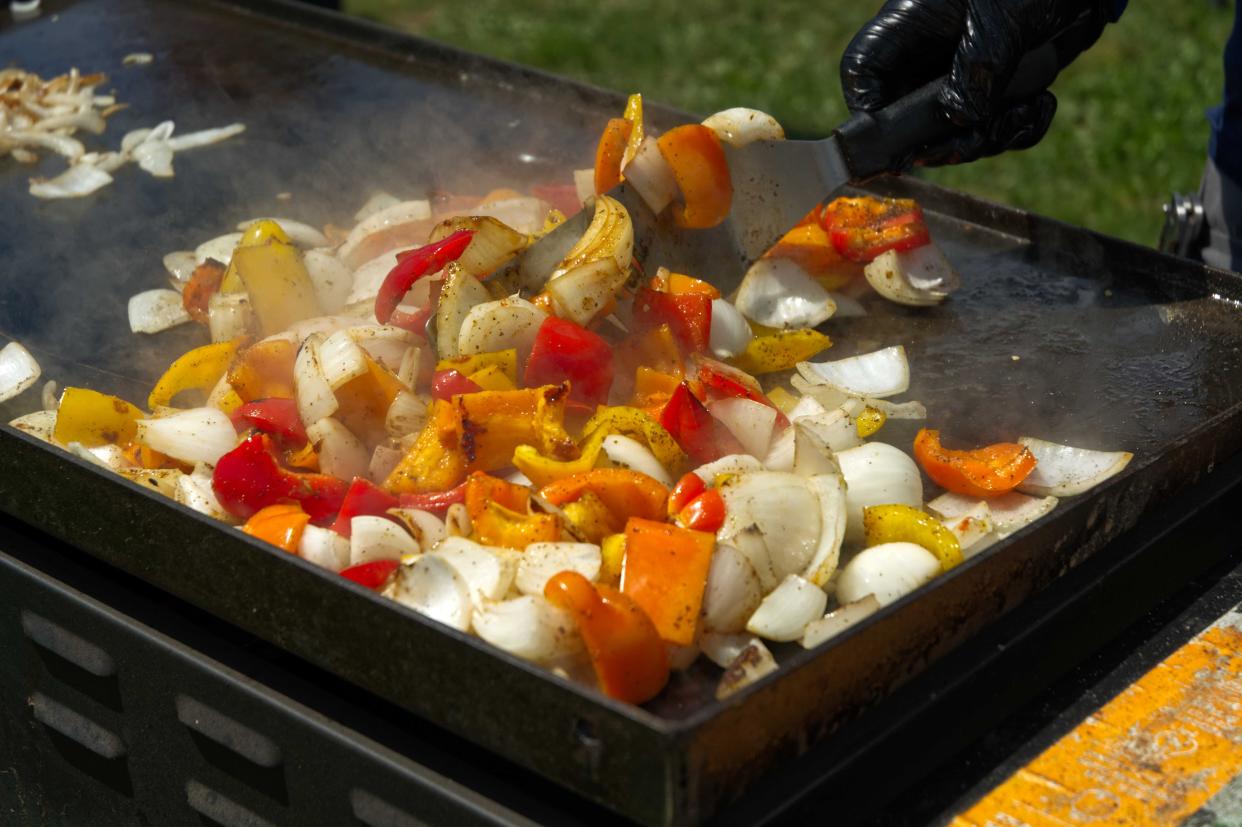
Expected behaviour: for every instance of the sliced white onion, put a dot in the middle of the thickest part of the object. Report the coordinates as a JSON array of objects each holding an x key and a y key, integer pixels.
[
  {"x": 404, "y": 212},
  {"x": 624, "y": 452},
  {"x": 410, "y": 367},
  {"x": 773, "y": 519},
  {"x": 154, "y": 310},
  {"x": 105, "y": 456},
  {"x": 367, "y": 279},
  {"x": 432, "y": 587},
  {"x": 733, "y": 591},
  {"x": 1010, "y": 512},
  {"x": 751, "y": 664},
  {"x": 377, "y": 202},
  {"x": 836, "y": 622},
  {"x": 75, "y": 182},
  {"x": 524, "y": 213},
  {"x": 219, "y": 248},
  {"x": 180, "y": 265},
  {"x": 383, "y": 460},
  {"x": 493, "y": 244},
  {"x": 829, "y": 488},
  {"x": 50, "y": 396},
  {"x": 1062, "y": 470},
  {"x": 728, "y": 464},
  {"x": 584, "y": 184},
  {"x": 378, "y": 538},
  {"x": 194, "y": 435},
  {"x": 889, "y": 571},
  {"x": 972, "y": 529},
  {"x": 341, "y": 359},
  {"x": 879, "y": 374},
  {"x": 428, "y": 529},
  {"x": 163, "y": 480},
  {"x": 300, "y": 233},
  {"x": 919, "y": 278},
  {"x": 722, "y": 648},
  {"x": 784, "y": 614},
  {"x": 461, "y": 293},
  {"x": 228, "y": 316},
  {"x": 406, "y": 415},
  {"x": 488, "y": 572},
  {"x": 812, "y": 454},
  {"x": 898, "y": 410},
  {"x": 496, "y": 325},
  {"x": 650, "y": 176},
  {"x": 583, "y": 291},
  {"x": 155, "y": 157},
  {"x": 730, "y": 334},
  {"x": 324, "y": 547},
  {"x": 204, "y": 137},
  {"x": 18, "y": 370},
  {"x": 750, "y": 422},
  {"x": 781, "y": 452},
  {"x": 835, "y": 428},
  {"x": 542, "y": 561},
  {"x": 529, "y": 627},
  {"x": 848, "y": 307},
  {"x": 778, "y": 293},
  {"x": 39, "y": 424},
  {"x": 314, "y": 395},
  {"x": 194, "y": 491},
  {"x": 877, "y": 474},
  {"x": 385, "y": 344},
  {"x": 331, "y": 279},
  {"x": 341, "y": 454},
  {"x": 740, "y": 126}
]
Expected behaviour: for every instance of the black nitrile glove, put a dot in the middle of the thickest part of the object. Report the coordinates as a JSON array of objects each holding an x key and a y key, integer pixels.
[{"x": 978, "y": 43}]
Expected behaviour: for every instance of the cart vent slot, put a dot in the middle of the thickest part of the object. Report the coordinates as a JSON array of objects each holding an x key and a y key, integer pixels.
[
  {"x": 60, "y": 641},
  {"x": 375, "y": 812},
  {"x": 219, "y": 808},
  {"x": 223, "y": 730},
  {"x": 84, "y": 744}
]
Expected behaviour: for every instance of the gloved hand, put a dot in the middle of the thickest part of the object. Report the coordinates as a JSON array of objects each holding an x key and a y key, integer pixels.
[{"x": 978, "y": 43}]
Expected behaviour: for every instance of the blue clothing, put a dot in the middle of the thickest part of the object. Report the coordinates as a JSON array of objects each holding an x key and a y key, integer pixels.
[
  {"x": 1115, "y": 8},
  {"x": 1225, "y": 147}
]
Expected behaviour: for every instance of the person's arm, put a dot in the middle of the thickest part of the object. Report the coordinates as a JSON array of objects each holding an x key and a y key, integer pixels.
[{"x": 978, "y": 44}]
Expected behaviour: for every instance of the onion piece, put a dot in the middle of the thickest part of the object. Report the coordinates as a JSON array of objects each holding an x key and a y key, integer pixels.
[
  {"x": 75, "y": 182},
  {"x": 39, "y": 424},
  {"x": 314, "y": 395},
  {"x": 406, "y": 415},
  {"x": 432, "y": 587},
  {"x": 584, "y": 184},
  {"x": 624, "y": 452},
  {"x": 194, "y": 491},
  {"x": 730, "y": 334},
  {"x": 750, "y": 422},
  {"x": 836, "y": 622},
  {"x": 300, "y": 233},
  {"x": 835, "y": 428},
  {"x": 610, "y": 235},
  {"x": 848, "y": 307},
  {"x": 728, "y": 464},
  {"x": 428, "y": 529},
  {"x": 374, "y": 538},
  {"x": 1010, "y": 512},
  {"x": 154, "y": 310},
  {"x": 324, "y": 547},
  {"x": 829, "y": 488},
  {"x": 331, "y": 279},
  {"x": 773, "y": 519},
  {"x": 784, "y": 614},
  {"x": 488, "y": 572},
  {"x": 228, "y": 316},
  {"x": 740, "y": 126},
  {"x": 877, "y": 474},
  {"x": 180, "y": 265},
  {"x": 377, "y": 202},
  {"x": 1062, "y": 470},
  {"x": 525, "y": 213},
  {"x": 204, "y": 137},
  {"x": 778, "y": 293},
  {"x": 155, "y": 157},
  {"x": 18, "y": 370},
  {"x": 889, "y": 571},
  {"x": 879, "y": 374},
  {"x": 341, "y": 359},
  {"x": 386, "y": 344},
  {"x": 461, "y": 293},
  {"x": 921, "y": 277},
  {"x": 722, "y": 648},
  {"x": 972, "y": 529},
  {"x": 581, "y": 293},
  {"x": 194, "y": 435},
  {"x": 898, "y": 410},
  {"x": 219, "y": 248},
  {"x": 649, "y": 175},
  {"x": 341, "y": 454},
  {"x": 163, "y": 480},
  {"x": 781, "y": 452},
  {"x": 404, "y": 212},
  {"x": 493, "y": 244},
  {"x": 733, "y": 591},
  {"x": 496, "y": 325},
  {"x": 542, "y": 561},
  {"x": 529, "y": 627},
  {"x": 751, "y": 664}
]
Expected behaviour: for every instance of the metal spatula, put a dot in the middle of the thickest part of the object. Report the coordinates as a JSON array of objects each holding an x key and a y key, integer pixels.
[{"x": 776, "y": 183}]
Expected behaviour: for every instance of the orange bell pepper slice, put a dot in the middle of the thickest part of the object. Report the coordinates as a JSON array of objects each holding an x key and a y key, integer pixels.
[
  {"x": 626, "y": 493},
  {"x": 666, "y": 574},
  {"x": 697, "y": 160},
  {"x": 609, "y": 152},
  {"x": 264, "y": 370},
  {"x": 983, "y": 472},
  {"x": 435, "y": 462},
  {"x": 500, "y": 513},
  {"x": 483, "y": 488},
  {"x": 809, "y": 247},
  {"x": 629, "y": 658},
  {"x": 281, "y": 525},
  {"x": 680, "y": 284},
  {"x": 365, "y": 400}
]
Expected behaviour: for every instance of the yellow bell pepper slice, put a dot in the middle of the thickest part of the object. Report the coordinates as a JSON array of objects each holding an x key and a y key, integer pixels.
[
  {"x": 255, "y": 234},
  {"x": 503, "y": 360},
  {"x": 94, "y": 418},
  {"x": 784, "y": 401},
  {"x": 591, "y": 517},
  {"x": 263, "y": 370},
  {"x": 632, "y": 422},
  {"x": 541, "y": 470},
  {"x": 869, "y": 421},
  {"x": 906, "y": 524},
  {"x": 281, "y": 291},
  {"x": 492, "y": 378},
  {"x": 770, "y": 352},
  {"x": 199, "y": 369},
  {"x": 634, "y": 114},
  {"x": 612, "y": 552}
]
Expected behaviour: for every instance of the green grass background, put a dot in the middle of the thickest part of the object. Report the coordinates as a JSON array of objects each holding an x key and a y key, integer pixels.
[{"x": 1130, "y": 128}]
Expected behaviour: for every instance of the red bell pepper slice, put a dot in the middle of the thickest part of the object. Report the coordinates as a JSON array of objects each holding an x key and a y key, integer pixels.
[
  {"x": 249, "y": 478},
  {"x": 446, "y": 384},
  {"x": 698, "y": 433},
  {"x": 373, "y": 575},
  {"x": 436, "y": 501},
  {"x": 863, "y": 228},
  {"x": 727, "y": 382},
  {"x": 276, "y": 416},
  {"x": 564, "y": 350},
  {"x": 412, "y": 266},
  {"x": 688, "y": 315},
  {"x": 363, "y": 499}
]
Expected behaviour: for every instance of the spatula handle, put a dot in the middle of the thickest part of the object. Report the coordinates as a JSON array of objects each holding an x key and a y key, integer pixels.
[{"x": 884, "y": 141}]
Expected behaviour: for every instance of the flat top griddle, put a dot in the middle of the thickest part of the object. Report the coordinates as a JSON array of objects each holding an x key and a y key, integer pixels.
[{"x": 1117, "y": 347}]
